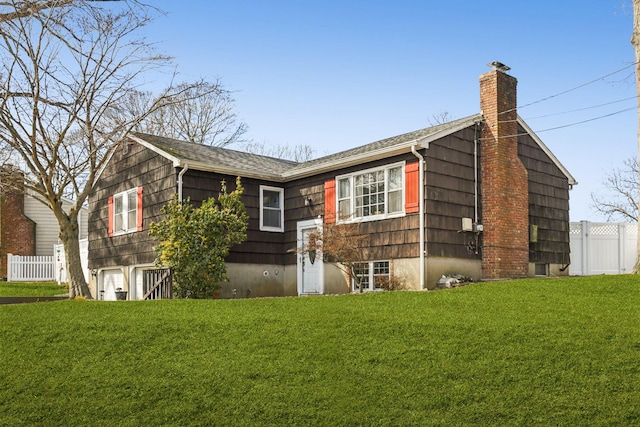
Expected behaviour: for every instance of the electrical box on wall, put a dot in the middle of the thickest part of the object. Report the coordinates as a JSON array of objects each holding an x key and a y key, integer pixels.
[
  {"x": 533, "y": 233},
  {"x": 467, "y": 224}
]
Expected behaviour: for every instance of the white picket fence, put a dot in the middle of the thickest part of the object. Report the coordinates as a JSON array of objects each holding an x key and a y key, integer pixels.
[
  {"x": 61, "y": 263},
  {"x": 45, "y": 268},
  {"x": 602, "y": 248},
  {"x": 30, "y": 268}
]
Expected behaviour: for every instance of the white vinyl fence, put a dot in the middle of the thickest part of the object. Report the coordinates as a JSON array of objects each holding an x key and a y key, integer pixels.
[
  {"x": 61, "y": 263},
  {"x": 602, "y": 248},
  {"x": 30, "y": 268}
]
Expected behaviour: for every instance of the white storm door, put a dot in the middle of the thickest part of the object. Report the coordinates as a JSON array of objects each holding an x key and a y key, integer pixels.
[{"x": 310, "y": 268}]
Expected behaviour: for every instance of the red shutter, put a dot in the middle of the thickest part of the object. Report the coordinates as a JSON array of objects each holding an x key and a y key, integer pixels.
[
  {"x": 330, "y": 201},
  {"x": 139, "y": 210},
  {"x": 412, "y": 187},
  {"x": 110, "y": 210}
]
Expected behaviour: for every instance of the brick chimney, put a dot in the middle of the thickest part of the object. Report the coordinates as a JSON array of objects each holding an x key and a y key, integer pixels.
[
  {"x": 505, "y": 189},
  {"x": 17, "y": 231}
]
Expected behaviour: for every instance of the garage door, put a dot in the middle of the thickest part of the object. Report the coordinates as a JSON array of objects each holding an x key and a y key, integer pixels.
[{"x": 111, "y": 280}]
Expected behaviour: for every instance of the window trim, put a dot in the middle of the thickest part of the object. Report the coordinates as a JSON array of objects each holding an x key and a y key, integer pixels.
[
  {"x": 280, "y": 191},
  {"x": 352, "y": 197},
  {"x": 371, "y": 276},
  {"x": 137, "y": 222}
]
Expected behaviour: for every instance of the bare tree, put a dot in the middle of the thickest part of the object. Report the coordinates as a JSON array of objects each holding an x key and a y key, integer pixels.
[
  {"x": 203, "y": 113},
  {"x": 343, "y": 244},
  {"x": 12, "y": 10},
  {"x": 63, "y": 71},
  {"x": 439, "y": 118},
  {"x": 621, "y": 198},
  {"x": 635, "y": 41},
  {"x": 297, "y": 153}
]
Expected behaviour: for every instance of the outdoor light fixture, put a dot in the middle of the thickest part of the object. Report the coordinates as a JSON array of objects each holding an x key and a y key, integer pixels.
[{"x": 307, "y": 201}]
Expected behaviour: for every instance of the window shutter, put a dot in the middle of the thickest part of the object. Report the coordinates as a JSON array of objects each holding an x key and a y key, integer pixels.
[
  {"x": 110, "y": 211},
  {"x": 330, "y": 201},
  {"x": 412, "y": 187},
  {"x": 139, "y": 210}
]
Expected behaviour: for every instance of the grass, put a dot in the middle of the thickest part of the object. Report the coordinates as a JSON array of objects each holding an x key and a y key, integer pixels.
[
  {"x": 525, "y": 352},
  {"x": 31, "y": 289}
]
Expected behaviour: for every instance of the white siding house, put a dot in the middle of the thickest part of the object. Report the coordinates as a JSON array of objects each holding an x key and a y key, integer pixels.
[{"x": 47, "y": 228}]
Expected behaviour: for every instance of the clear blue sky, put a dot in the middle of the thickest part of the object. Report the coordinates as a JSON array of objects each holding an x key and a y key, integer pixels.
[{"x": 338, "y": 74}]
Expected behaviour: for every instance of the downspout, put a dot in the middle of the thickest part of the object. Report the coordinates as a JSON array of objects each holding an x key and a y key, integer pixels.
[
  {"x": 182, "y": 172},
  {"x": 421, "y": 210},
  {"x": 475, "y": 174}
]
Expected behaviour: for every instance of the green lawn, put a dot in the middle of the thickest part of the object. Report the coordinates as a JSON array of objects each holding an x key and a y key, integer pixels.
[
  {"x": 28, "y": 289},
  {"x": 527, "y": 352}
]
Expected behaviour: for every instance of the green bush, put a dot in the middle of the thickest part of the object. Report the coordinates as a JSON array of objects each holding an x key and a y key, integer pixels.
[{"x": 196, "y": 241}]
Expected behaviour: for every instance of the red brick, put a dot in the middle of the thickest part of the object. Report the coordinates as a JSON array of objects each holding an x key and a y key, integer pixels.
[{"x": 505, "y": 193}]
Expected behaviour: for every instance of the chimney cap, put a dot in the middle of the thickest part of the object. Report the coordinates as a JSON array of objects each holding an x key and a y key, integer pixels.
[{"x": 497, "y": 65}]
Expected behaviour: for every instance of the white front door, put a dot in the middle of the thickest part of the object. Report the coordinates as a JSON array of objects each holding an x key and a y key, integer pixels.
[{"x": 310, "y": 268}]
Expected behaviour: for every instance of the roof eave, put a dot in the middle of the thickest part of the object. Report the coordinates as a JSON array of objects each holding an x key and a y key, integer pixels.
[
  {"x": 402, "y": 148},
  {"x": 228, "y": 171},
  {"x": 180, "y": 163}
]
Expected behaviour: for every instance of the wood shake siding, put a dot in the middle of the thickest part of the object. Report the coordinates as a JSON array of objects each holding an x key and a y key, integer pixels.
[
  {"x": 548, "y": 204},
  {"x": 389, "y": 238},
  {"x": 137, "y": 167},
  {"x": 261, "y": 247},
  {"x": 450, "y": 194}
]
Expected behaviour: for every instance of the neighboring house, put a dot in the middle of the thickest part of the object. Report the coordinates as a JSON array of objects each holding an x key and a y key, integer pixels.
[
  {"x": 480, "y": 196},
  {"x": 28, "y": 227}
]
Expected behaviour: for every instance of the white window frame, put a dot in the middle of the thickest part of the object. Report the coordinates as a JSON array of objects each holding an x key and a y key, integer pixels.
[
  {"x": 280, "y": 191},
  {"x": 126, "y": 227},
  {"x": 372, "y": 275},
  {"x": 351, "y": 198}
]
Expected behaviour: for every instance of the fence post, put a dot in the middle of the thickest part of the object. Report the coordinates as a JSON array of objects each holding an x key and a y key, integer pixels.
[
  {"x": 584, "y": 233},
  {"x": 622, "y": 235},
  {"x": 9, "y": 264}
]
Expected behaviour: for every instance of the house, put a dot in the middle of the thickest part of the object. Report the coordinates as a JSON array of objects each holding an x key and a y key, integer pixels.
[
  {"x": 28, "y": 227},
  {"x": 480, "y": 196}
]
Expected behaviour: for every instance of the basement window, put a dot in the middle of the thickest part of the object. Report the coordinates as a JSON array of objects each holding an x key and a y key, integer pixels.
[
  {"x": 372, "y": 274},
  {"x": 542, "y": 269}
]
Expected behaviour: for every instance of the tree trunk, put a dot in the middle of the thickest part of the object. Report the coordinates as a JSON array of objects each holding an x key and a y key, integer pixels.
[
  {"x": 635, "y": 41},
  {"x": 75, "y": 276}
]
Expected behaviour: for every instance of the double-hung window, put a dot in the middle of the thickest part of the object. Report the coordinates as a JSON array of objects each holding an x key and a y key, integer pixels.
[
  {"x": 371, "y": 194},
  {"x": 125, "y": 212},
  {"x": 271, "y": 208}
]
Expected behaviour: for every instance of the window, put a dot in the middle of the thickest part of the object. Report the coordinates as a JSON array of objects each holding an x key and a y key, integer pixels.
[
  {"x": 542, "y": 269},
  {"x": 373, "y": 275},
  {"x": 271, "y": 208},
  {"x": 125, "y": 212},
  {"x": 372, "y": 194}
]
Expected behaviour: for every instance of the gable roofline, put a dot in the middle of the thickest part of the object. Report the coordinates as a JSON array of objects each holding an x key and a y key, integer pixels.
[{"x": 565, "y": 171}]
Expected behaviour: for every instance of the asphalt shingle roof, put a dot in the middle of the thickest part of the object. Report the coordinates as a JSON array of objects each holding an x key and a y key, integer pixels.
[
  {"x": 229, "y": 161},
  {"x": 217, "y": 156},
  {"x": 386, "y": 143}
]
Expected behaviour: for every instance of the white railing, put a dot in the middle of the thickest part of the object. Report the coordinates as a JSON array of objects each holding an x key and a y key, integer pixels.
[
  {"x": 61, "y": 263},
  {"x": 602, "y": 248},
  {"x": 30, "y": 268}
]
